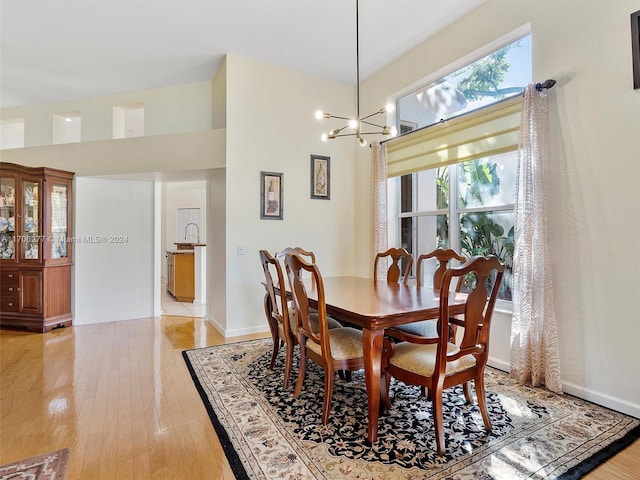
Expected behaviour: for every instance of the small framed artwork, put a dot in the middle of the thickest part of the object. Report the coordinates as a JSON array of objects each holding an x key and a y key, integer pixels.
[
  {"x": 635, "y": 48},
  {"x": 320, "y": 177},
  {"x": 271, "y": 195}
]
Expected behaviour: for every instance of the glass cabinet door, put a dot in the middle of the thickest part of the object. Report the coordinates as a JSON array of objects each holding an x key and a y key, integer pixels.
[
  {"x": 59, "y": 221},
  {"x": 30, "y": 229},
  {"x": 7, "y": 217}
]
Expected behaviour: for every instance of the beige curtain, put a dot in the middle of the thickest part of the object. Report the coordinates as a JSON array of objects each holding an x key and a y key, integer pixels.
[
  {"x": 535, "y": 356},
  {"x": 379, "y": 236}
]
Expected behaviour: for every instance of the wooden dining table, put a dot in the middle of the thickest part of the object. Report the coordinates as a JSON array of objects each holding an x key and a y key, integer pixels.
[{"x": 374, "y": 306}]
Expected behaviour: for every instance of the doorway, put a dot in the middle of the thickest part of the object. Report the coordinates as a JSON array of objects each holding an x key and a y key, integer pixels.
[{"x": 183, "y": 221}]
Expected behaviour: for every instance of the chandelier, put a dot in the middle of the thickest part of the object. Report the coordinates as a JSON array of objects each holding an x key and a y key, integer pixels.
[{"x": 355, "y": 125}]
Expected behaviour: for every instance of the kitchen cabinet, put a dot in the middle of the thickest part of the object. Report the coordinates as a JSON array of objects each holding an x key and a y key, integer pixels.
[
  {"x": 35, "y": 247},
  {"x": 181, "y": 275}
]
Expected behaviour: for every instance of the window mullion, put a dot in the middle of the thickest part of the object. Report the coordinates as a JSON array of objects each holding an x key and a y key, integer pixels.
[{"x": 454, "y": 224}]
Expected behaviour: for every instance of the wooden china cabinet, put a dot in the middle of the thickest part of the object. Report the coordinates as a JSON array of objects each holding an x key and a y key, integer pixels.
[{"x": 35, "y": 247}]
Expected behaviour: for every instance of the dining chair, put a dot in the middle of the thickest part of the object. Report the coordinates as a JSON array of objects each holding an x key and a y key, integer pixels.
[
  {"x": 397, "y": 256},
  {"x": 438, "y": 364},
  {"x": 296, "y": 250},
  {"x": 277, "y": 309},
  {"x": 333, "y": 323},
  {"x": 427, "y": 328},
  {"x": 333, "y": 349},
  {"x": 277, "y": 313}
]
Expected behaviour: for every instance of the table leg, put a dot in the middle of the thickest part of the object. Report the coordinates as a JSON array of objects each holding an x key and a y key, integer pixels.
[{"x": 372, "y": 343}]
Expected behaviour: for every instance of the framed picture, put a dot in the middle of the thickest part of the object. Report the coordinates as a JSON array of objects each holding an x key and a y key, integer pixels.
[
  {"x": 271, "y": 191},
  {"x": 635, "y": 48},
  {"x": 320, "y": 177}
]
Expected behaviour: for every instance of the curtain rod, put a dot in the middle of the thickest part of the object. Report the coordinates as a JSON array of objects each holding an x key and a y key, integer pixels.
[{"x": 547, "y": 84}]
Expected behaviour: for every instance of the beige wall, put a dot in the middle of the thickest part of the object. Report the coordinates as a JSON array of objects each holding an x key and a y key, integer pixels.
[
  {"x": 216, "y": 250},
  {"x": 114, "y": 252},
  {"x": 183, "y": 108},
  {"x": 594, "y": 112},
  {"x": 159, "y": 153},
  {"x": 271, "y": 127}
]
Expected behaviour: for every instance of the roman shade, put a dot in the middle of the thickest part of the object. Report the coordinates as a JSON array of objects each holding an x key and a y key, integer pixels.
[{"x": 480, "y": 133}]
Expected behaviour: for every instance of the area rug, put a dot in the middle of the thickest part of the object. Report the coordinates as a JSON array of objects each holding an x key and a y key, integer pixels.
[
  {"x": 268, "y": 434},
  {"x": 50, "y": 466}
]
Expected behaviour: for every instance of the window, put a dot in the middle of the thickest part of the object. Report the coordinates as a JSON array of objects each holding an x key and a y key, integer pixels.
[
  {"x": 462, "y": 200},
  {"x": 128, "y": 121},
  {"x": 11, "y": 133},
  {"x": 499, "y": 75},
  {"x": 67, "y": 127}
]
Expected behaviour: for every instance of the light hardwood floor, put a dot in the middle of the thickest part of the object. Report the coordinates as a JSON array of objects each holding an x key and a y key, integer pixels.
[{"x": 120, "y": 396}]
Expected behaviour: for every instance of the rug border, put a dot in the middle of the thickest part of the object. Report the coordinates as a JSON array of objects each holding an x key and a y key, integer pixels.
[
  {"x": 574, "y": 473},
  {"x": 227, "y": 446},
  {"x": 64, "y": 455},
  {"x": 601, "y": 456}
]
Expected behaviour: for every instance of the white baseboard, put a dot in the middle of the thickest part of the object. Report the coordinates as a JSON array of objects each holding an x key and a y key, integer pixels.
[
  {"x": 499, "y": 364},
  {"x": 603, "y": 399},
  {"x": 592, "y": 396},
  {"x": 238, "y": 332}
]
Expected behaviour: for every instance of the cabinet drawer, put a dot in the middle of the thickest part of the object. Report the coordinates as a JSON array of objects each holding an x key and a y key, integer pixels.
[
  {"x": 8, "y": 277},
  {"x": 8, "y": 290},
  {"x": 9, "y": 304}
]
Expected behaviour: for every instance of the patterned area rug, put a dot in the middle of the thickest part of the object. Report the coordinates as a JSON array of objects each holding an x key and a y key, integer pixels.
[
  {"x": 268, "y": 434},
  {"x": 51, "y": 466}
]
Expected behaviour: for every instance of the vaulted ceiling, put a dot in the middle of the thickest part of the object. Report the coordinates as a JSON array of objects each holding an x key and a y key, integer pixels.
[{"x": 61, "y": 50}]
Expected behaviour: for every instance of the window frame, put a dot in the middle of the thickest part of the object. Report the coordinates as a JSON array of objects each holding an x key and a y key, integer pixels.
[{"x": 453, "y": 212}]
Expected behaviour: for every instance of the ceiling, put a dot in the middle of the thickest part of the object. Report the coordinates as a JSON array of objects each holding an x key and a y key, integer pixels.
[{"x": 60, "y": 50}]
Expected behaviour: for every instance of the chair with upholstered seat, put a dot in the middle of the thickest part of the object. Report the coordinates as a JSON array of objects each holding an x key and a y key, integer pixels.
[
  {"x": 438, "y": 364},
  {"x": 427, "y": 328},
  {"x": 277, "y": 310},
  {"x": 394, "y": 272},
  {"x": 333, "y": 349}
]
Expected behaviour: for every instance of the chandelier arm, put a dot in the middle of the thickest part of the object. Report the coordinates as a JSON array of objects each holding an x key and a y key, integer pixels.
[
  {"x": 372, "y": 124},
  {"x": 346, "y": 135},
  {"x": 372, "y": 115},
  {"x": 341, "y": 118}
]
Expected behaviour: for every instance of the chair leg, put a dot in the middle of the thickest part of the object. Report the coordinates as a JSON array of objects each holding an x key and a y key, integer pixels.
[
  {"x": 328, "y": 394},
  {"x": 273, "y": 326},
  {"x": 425, "y": 392},
  {"x": 385, "y": 385},
  {"x": 482, "y": 401},
  {"x": 276, "y": 347},
  {"x": 288, "y": 363},
  {"x": 438, "y": 420},
  {"x": 301, "y": 371},
  {"x": 466, "y": 388}
]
